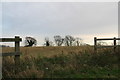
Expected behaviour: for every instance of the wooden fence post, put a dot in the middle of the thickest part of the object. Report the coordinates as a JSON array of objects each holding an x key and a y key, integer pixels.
[
  {"x": 114, "y": 44},
  {"x": 95, "y": 44},
  {"x": 17, "y": 56}
]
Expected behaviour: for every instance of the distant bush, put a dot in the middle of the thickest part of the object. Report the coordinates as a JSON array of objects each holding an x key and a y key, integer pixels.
[{"x": 4, "y": 46}]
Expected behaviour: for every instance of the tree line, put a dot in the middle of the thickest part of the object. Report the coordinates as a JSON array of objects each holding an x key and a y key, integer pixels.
[{"x": 68, "y": 40}]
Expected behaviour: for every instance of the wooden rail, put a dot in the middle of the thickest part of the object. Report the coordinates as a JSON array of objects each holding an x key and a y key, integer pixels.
[
  {"x": 17, "y": 53},
  {"x": 11, "y": 54},
  {"x": 114, "y": 41},
  {"x": 10, "y": 39}
]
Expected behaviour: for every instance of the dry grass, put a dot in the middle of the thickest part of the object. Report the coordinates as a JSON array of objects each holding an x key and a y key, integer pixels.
[
  {"x": 62, "y": 62},
  {"x": 49, "y": 51}
]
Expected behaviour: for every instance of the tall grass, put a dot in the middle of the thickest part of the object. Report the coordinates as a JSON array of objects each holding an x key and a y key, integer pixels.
[{"x": 74, "y": 64}]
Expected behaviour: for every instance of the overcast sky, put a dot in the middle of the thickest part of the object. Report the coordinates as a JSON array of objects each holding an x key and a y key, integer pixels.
[{"x": 46, "y": 19}]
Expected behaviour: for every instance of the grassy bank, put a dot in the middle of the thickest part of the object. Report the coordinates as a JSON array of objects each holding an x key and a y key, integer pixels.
[{"x": 63, "y": 62}]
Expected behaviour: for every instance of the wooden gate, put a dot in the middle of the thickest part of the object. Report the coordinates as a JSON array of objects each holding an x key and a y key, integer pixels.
[
  {"x": 114, "y": 41},
  {"x": 17, "y": 53}
]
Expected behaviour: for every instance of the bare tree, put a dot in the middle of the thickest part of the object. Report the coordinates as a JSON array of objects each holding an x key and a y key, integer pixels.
[
  {"x": 58, "y": 40},
  {"x": 78, "y": 41},
  {"x": 47, "y": 42},
  {"x": 69, "y": 40},
  {"x": 30, "y": 41}
]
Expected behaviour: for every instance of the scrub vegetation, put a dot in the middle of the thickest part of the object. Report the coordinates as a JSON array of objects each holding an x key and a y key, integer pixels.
[{"x": 62, "y": 62}]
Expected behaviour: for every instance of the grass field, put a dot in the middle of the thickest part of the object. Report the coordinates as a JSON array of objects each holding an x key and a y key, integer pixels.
[{"x": 63, "y": 62}]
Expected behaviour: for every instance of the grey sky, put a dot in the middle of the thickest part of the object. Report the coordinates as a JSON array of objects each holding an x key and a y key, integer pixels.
[{"x": 81, "y": 19}]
